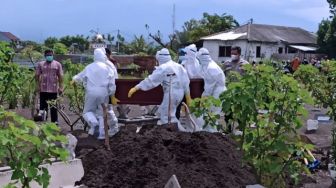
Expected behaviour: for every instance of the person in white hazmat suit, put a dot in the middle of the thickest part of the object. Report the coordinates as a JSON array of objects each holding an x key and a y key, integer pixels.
[
  {"x": 175, "y": 83},
  {"x": 214, "y": 80},
  {"x": 190, "y": 63},
  {"x": 112, "y": 118},
  {"x": 192, "y": 66},
  {"x": 98, "y": 80}
]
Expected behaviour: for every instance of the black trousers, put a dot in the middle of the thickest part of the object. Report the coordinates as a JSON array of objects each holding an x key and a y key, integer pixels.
[
  {"x": 178, "y": 109},
  {"x": 44, "y": 97}
]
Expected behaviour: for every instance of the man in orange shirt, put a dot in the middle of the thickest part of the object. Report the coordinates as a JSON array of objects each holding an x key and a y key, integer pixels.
[{"x": 295, "y": 64}]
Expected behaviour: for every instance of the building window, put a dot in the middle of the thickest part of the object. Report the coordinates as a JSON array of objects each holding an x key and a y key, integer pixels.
[
  {"x": 224, "y": 51},
  {"x": 280, "y": 50},
  {"x": 258, "y": 54}
]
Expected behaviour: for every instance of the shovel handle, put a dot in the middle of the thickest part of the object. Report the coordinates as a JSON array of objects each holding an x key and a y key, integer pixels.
[
  {"x": 107, "y": 139},
  {"x": 308, "y": 151},
  {"x": 188, "y": 113}
]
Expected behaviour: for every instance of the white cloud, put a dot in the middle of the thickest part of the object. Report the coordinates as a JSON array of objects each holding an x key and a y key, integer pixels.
[{"x": 313, "y": 14}]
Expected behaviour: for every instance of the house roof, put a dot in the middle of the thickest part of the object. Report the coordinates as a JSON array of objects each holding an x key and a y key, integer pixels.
[
  {"x": 304, "y": 48},
  {"x": 266, "y": 33},
  {"x": 8, "y": 36}
]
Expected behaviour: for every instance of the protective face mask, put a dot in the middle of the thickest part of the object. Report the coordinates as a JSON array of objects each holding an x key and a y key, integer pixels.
[
  {"x": 49, "y": 58},
  {"x": 234, "y": 57},
  {"x": 182, "y": 58}
]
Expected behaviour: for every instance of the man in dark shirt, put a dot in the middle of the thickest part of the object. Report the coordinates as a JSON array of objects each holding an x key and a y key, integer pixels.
[{"x": 234, "y": 64}]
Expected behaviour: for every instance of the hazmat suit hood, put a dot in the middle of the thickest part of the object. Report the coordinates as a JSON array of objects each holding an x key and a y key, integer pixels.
[
  {"x": 203, "y": 56},
  {"x": 99, "y": 55},
  {"x": 191, "y": 52},
  {"x": 163, "y": 56}
]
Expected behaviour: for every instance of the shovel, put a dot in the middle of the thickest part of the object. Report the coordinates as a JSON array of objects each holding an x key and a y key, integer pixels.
[
  {"x": 313, "y": 165},
  {"x": 107, "y": 139},
  {"x": 189, "y": 116}
]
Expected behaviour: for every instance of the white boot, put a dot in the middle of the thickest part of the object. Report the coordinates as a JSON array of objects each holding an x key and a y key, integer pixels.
[
  {"x": 92, "y": 121},
  {"x": 112, "y": 121},
  {"x": 101, "y": 135}
]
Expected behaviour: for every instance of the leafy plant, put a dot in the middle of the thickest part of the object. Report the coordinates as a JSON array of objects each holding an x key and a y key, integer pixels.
[
  {"x": 322, "y": 86},
  {"x": 269, "y": 141},
  {"x": 203, "y": 107},
  {"x": 60, "y": 48},
  {"x": 26, "y": 145},
  {"x": 13, "y": 80},
  {"x": 308, "y": 75},
  {"x": 333, "y": 147},
  {"x": 75, "y": 94}
]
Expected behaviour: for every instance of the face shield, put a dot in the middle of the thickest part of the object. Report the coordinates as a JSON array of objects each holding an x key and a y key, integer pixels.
[
  {"x": 163, "y": 56},
  {"x": 203, "y": 56},
  {"x": 182, "y": 55}
]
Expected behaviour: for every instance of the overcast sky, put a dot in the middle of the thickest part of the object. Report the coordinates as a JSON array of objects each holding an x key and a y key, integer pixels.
[{"x": 39, "y": 19}]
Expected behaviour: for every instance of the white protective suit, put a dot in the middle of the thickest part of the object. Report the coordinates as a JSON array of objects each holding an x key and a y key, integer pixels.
[
  {"x": 175, "y": 82},
  {"x": 191, "y": 63},
  {"x": 112, "y": 118},
  {"x": 98, "y": 80},
  {"x": 111, "y": 65},
  {"x": 214, "y": 79}
]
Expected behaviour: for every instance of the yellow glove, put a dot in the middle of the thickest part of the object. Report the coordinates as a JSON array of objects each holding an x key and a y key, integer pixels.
[
  {"x": 132, "y": 91},
  {"x": 114, "y": 100},
  {"x": 188, "y": 99},
  {"x": 72, "y": 82}
]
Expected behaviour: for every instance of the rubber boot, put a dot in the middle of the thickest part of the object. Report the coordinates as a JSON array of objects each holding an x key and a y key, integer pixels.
[
  {"x": 101, "y": 135},
  {"x": 112, "y": 121},
  {"x": 92, "y": 121}
]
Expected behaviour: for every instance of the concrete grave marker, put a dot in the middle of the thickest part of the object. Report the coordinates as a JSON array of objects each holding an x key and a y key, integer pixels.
[
  {"x": 312, "y": 125},
  {"x": 172, "y": 183},
  {"x": 323, "y": 118}
]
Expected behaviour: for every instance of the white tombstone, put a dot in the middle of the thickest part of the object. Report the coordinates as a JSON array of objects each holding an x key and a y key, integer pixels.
[
  {"x": 62, "y": 174},
  {"x": 312, "y": 125},
  {"x": 172, "y": 183}
]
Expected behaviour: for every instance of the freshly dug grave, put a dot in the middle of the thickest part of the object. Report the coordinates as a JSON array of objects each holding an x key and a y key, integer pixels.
[{"x": 149, "y": 158}]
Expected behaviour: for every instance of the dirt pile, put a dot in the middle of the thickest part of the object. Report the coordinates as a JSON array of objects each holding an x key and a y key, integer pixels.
[{"x": 149, "y": 158}]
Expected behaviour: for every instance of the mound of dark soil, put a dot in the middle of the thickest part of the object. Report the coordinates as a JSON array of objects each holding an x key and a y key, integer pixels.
[{"x": 149, "y": 158}]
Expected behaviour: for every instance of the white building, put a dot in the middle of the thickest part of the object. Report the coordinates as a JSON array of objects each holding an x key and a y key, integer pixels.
[{"x": 259, "y": 42}]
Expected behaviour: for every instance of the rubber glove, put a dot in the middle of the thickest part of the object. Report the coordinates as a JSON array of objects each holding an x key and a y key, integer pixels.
[
  {"x": 188, "y": 99},
  {"x": 72, "y": 82},
  {"x": 114, "y": 100},
  {"x": 132, "y": 91}
]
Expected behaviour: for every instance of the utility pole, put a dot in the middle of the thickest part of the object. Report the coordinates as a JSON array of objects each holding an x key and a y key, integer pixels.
[
  {"x": 118, "y": 40},
  {"x": 174, "y": 19}
]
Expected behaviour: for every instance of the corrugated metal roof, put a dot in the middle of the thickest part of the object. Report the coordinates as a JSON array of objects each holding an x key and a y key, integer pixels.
[
  {"x": 269, "y": 33},
  {"x": 225, "y": 36},
  {"x": 8, "y": 36},
  {"x": 304, "y": 48}
]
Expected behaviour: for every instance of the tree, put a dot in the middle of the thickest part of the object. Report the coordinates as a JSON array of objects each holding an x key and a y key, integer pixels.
[
  {"x": 209, "y": 24},
  {"x": 110, "y": 38},
  {"x": 140, "y": 46},
  {"x": 326, "y": 34},
  {"x": 50, "y": 42},
  {"x": 193, "y": 30},
  {"x": 332, "y": 5},
  {"x": 321, "y": 33},
  {"x": 60, "y": 48},
  {"x": 80, "y": 41}
]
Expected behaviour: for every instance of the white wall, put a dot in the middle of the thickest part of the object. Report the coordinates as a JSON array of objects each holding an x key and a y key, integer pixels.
[
  {"x": 266, "y": 51},
  {"x": 249, "y": 50},
  {"x": 213, "y": 47}
]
